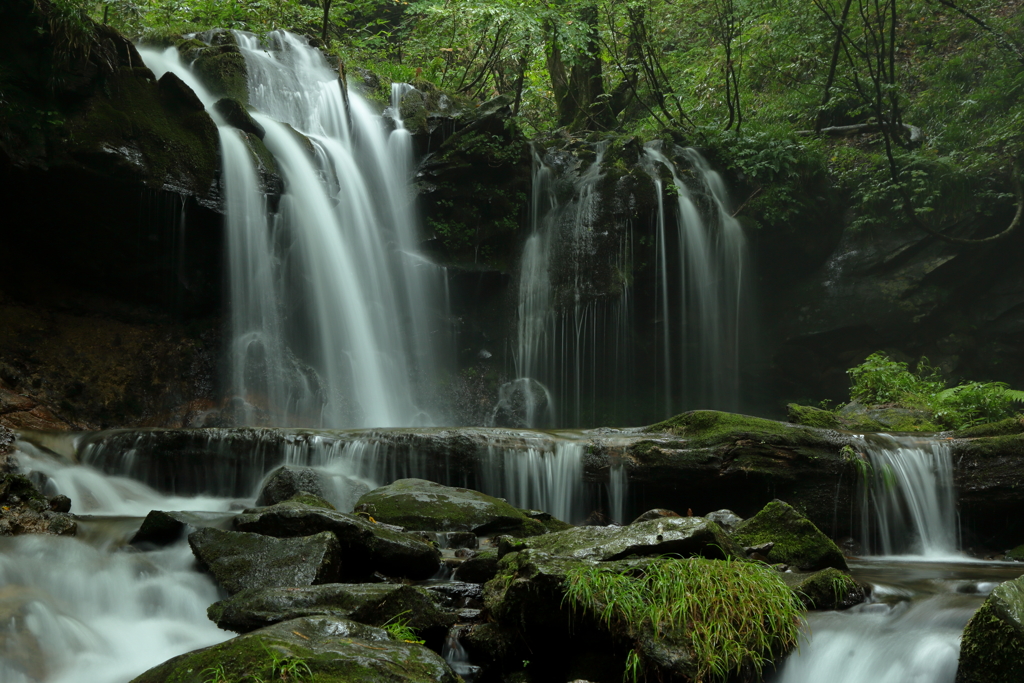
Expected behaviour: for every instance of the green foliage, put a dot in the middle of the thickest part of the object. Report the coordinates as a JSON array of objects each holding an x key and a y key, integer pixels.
[
  {"x": 400, "y": 629},
  {"x": 729, "y": 614},
  {"x": 881, "y": 380}
]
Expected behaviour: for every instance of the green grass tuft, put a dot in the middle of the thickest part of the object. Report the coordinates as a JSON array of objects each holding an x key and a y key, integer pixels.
[{"x": 729, "y": 615}]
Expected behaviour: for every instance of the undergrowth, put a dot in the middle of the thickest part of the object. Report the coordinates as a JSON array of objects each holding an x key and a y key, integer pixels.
[
  {"x": 731, "y": 616},
  {"x": 880, "y": 380}
]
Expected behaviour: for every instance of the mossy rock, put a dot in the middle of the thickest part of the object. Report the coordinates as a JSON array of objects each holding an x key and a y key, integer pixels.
[
  {"x": 422, "y": 505},
  {"x": 797, "y": 541},
  {"x": 162, "y": 528},
  {"x": 222, "y": 70},
  {"x": 712, "y": 427},
  {"x": 238, "y": 560},
  {"x": 891, "y": 418},
  {"x": 367, "y": 546},
  {"x": 812, "y": 417},
  {"x": 375, "y": 604},
  {"x": 825, "y": 589},
  {"x": 334, "y": 650},
  {"x": 682, "y": 536},
  {"x": 550, "y": 522},
  {"x": 992, "y": 648},
  {"x": 1007, "y": 427},
  {"x": 480, "y": 568},
  {"x": 1016, "y": 554},
  {"x": 288, "y": 481}
]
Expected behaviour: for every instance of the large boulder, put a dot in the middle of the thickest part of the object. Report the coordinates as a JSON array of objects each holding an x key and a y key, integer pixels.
[
  {"x": 684, "y": 536},
  {"x": 287, "y": 482},
  {"x": 992, "y": 649},
  {"x": 366, "y": 546},
  {"x": 796, "y": 540},
  {"x": 239, "y": 560},
  {"x": 369, "y": 603},
  {"x": 334, "y": 650},
  {"x": 162, "y": 528},
  {"x": 825, "y": 589},
  {"x": 425, "y": 506},
  {"x": 643, "y": 610}
]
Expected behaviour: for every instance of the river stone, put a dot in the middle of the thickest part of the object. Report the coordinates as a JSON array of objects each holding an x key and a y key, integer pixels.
[
  {"x": 366, "y": 546},
  {"x": 825, "y": 589},
  {"x": 239, "y": 560},
  {"x": 287, "y": 482},
  {"x": 686, "y": 536},
  {"x": 162, "y": 528},
  {"x": 335, "y": 650},
  {"x": 479, "y": 567},
  {"x": 368, "y": 603},
  {"x": 797, "y": 541},
  {"x": 992, "y": 648},
  {"x": 727, "y": 519},
  {"x": 425, "y": 506},
  {"x": 657, "y": 513}
]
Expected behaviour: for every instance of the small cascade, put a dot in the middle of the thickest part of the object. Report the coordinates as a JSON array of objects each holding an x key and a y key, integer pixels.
[
  {"x": 700, "y": 287},
  {"x": 910, "y": 488},
  {"x": 336, "y": 318},
  {"x": 532, "y": 470},
  {"x": 455, "y": 654}
]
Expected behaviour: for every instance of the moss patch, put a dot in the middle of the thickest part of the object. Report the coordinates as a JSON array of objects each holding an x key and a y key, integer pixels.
[
  {"x": 797, "y": 541},
  {"x": 711, "y": 427},
  {"x": 812, "y": 417},
  {"x": 1007, "y": 427}
]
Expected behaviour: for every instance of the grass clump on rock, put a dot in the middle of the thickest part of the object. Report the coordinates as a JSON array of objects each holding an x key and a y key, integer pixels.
[{"x": 730, "y": 615}]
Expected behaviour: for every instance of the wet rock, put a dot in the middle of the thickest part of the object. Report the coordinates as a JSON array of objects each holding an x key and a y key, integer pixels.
[
  {"x": 177, "y": 93},
  {"x": 458, "y": 595},
  {"x": 23, "y": 510},
  {"x": 366, "y": 546},
  {"x": 479, "y": 568},
  {"x": 162, "y": 528},
  {"x": 825, "y": 589},
  {"x": 796, "y": 540},
  {"x": 335, "y": 650},
  {"x": 550, "y": 522},
  {"x": 288, "y": 481},
  {"x": 657, "y": 513},
  {"x": 239, "y": 560},
  {"x": 992, "y": 648},
  {"x": 222, "y": 70},
  {"x": 235, "y": 115},
  {"x": 60, "y": 503},
  {"x": 368, "y": 603},
  {"x": 685, "y": 536},
  {"x": 727, "y": 519},
  {"x": 422, "y": 505}
]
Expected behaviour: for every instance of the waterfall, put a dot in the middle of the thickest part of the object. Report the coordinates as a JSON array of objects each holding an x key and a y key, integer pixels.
[
  {"x": 336, "y": 318},
  {"x": 700, "y": 290},
  {"x": 910, "y": 484}
]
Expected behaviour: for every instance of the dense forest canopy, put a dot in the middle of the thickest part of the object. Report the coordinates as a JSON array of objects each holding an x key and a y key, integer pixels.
[{"x": 932, "y": 88}]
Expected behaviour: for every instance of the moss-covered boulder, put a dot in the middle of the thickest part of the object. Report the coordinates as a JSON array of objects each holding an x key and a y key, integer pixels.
[
  {"x": 162, "y": 527},
  {"x": 812, "y": 417},
  {"x": 612, "y": 608},
  {"x": 366, "y": 546},
  {"x": 288, "y": 481},
  {"x": 796, "y": 540},
  {"x": 238, "y": 560},
  {"x": 334, "y": 650},
  {"x": 683, "y": 536},
  {"x": 825, "y": 589},
  {"x": 481, "y": 567},
  {"x": 992, "y": 649},
  {"x": 222, "y": 70},
  {"x": 892, "y": 418},
  {"x": 422, "y": 505},
  {"x": 368, "y": 603}
]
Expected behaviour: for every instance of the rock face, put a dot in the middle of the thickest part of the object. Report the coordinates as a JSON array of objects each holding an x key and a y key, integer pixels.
[
  {"x": 686, "y": 536},
  {"x": 425, "y": 506},
  {"x": 825, "y": 589},
  {"x": 796, "y": 540},
  {"x": 992, "y": 650},
  {"x": 240, "y": 560},
  {"x": 368, "y": 603},
  {"x": 366, "y": 546},
  {"x": 334, "y": 650}
]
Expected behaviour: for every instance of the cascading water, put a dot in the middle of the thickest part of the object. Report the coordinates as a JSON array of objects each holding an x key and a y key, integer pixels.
[
  {"x": 910, "y": 487},
  {"x": 922, "y": 594},
  {"x": 700, "y": 292},
  {"x": 337, "y": 320}
]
